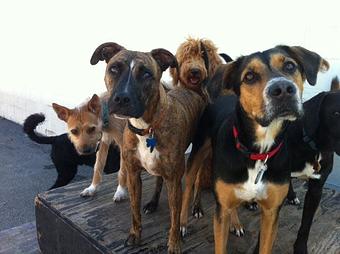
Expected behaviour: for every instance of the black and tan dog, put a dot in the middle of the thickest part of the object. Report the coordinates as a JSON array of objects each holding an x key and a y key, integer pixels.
[
  {"x": 250, "y": 152},
  {"x": 151, "y": 140}
]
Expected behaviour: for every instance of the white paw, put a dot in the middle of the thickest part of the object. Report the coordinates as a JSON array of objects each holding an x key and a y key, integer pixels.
[
  {"x": 198, "y": 214},
  {"x": 294, "y": 201},
  {"x": 89, "y": 191},
  {"x": 183, "y": 230},
  {"x": 239, "y": 232},
  {"x": 120, "y": 194}
]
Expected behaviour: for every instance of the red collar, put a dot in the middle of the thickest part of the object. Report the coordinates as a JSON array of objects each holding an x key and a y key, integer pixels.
[{"x": 255, "y": 156}]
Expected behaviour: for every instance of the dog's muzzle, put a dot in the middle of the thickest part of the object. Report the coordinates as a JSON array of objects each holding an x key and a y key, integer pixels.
[{"x": 282, "y": 100}]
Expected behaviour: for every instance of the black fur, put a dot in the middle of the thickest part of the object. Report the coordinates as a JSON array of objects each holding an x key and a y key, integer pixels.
[
  {"x": 63, "y": 154},
  {"x": 322, "y": 125}
]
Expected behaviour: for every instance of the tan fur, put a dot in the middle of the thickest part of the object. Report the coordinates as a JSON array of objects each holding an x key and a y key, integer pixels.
[
  {"x": 190, "y": 55},
  {"x": 88, "y": 116}
]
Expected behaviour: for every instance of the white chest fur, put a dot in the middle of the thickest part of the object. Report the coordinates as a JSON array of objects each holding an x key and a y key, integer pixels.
[
  {"x": 249, "y": 190},
  {"x": 308, "y": 171},
  {"x": 147, "y": 159}
]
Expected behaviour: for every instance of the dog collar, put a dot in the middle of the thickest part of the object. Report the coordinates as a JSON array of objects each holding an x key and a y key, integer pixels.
[
  {"x": 308, "y": 140},
  {"x": 254, "y": 156}
]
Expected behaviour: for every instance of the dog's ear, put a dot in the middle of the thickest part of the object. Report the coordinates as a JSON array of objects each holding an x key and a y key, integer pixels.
[
  {"x": 335, "y": 84},
  {"x": 63, "y": 113},
  {"x": 94, "y": 105},
  {"x": 311, "y": 116},
  {"x": 105, "y": 52},
  {"x": 174, "y": 74},
  {"x": 164, "y": 58},
  {"x": 310, "y": 62},
  {"x": 231, "y": 76}
]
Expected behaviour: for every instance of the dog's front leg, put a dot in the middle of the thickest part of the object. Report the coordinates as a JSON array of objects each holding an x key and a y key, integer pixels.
[
  {"x": 175, "y": 201},
  {"x": 135, "y": 190},
  {"x": 270, "y": 214},
  {"x": 98, "y": 170}
]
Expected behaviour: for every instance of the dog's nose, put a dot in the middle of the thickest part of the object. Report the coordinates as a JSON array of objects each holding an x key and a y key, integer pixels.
[
  {"x": 122, "y": 99},
  {"x": 195, "y": 71},
  {"x": 87, "y": 150},
  {"x": 281, "y": 89}
]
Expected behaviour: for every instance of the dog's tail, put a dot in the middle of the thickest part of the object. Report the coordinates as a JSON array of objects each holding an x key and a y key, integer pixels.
[
  {"x": 335, "y": 84},
  {"x": 226, "y": 57},
  {"x": 31, "y": 123}
]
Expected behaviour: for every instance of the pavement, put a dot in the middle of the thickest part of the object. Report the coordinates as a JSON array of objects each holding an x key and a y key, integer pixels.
[{"x": 25, "y": 170}]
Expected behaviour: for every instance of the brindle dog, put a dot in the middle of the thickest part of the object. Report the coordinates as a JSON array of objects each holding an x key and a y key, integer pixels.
[{"x": 151, "y": 139}]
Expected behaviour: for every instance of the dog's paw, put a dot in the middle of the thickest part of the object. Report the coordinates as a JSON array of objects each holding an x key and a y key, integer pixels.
[
  {"x": 251, "y": 206},
  {"x": 197, "y": 212},
  {"x": 120, "y": 194},
  {"x": 89, "y": 191},
  {"x": 132, "y": 239},
  {"x": 174, "y": 248},
  {"x": 237, "y": 230},
  {"x": 150, "y": 207},
  {"x": 183, "y": 230},
  {"x": 294, "y": 201}
]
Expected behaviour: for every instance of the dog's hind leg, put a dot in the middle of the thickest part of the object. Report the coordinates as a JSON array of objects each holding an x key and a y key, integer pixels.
[
  {"x": 197, "y": 210},
  {"x": 312, "y": 201},
  {"x": 291, "y": 196},
  {"x": 65, "y": 175},
  {"x": 235, "y": 226},
  {"x": 152, "y": 205},
  {"x": 98, "y": 170}
]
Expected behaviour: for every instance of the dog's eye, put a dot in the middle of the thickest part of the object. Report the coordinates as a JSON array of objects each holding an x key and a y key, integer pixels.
[
  {"x": 114, "y": 69},
  {"x": 147, "y": 75},
  {"x": 336, "y": 113},
  {"x": 91, "y": 130},
  {"x": 250, "y": 77},
  {"x": 289, "y": 67},
  {"x": 75, "y": 132}
]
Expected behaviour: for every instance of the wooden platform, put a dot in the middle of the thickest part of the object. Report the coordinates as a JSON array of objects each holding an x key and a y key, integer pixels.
[{"x": 67, "y": 223}]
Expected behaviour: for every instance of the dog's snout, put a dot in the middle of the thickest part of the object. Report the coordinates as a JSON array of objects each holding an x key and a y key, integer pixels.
[
  {"x": 195, "y": 71},
  {"x": 281, "y": 89},
  {"x": 122, "y": 99}
]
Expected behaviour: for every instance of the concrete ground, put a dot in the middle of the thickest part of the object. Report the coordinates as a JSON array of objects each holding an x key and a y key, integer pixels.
[{"x": 25, "y": 170}]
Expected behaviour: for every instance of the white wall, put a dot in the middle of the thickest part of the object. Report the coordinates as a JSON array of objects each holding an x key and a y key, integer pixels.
[{"x": 45, "y": 46}]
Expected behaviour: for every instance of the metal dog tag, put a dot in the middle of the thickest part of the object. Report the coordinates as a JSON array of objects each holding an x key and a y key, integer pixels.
[
  {"x": 261, "y": 172},
  {"x": 151, "y": 141}
]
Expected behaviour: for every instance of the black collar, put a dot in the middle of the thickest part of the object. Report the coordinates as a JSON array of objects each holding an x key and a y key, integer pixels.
[{"x": 140, "y": 132}]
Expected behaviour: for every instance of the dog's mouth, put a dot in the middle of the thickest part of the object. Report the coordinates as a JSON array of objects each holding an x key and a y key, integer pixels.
[{"x": 194, "y": 80}]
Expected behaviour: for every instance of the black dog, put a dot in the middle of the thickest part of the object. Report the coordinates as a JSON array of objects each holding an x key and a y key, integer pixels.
[
  {"x": 64, "y": 155},
  {"x": 314, "y": 140}
]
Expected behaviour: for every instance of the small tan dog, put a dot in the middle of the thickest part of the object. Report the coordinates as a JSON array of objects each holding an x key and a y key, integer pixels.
[{"x": 90, "y": 127}]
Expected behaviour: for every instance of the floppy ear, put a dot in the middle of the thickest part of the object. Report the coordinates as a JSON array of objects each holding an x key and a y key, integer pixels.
[
  {"x": 164, "y": 58},
  {"x": 231, "y": 79},
  {"x": 63, "y": 113},
  {"x": 94, "y": 105},
  {"x": 310, "y": 62},
  {"x": 311, "y": 116},
  {"x": 335, "y": 84},
  {"x": 174, "y": 75},
  {"x": 105, "y": 52}
]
